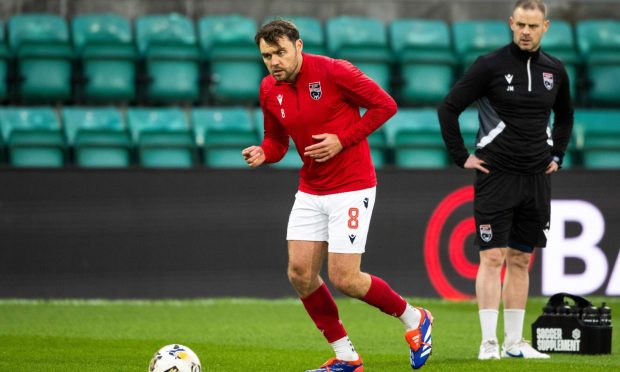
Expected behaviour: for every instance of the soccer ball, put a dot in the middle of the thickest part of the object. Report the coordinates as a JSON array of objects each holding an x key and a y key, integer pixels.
[{"x": 175, "y": 358}]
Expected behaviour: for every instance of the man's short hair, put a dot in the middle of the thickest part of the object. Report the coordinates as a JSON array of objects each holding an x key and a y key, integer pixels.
[
  {"x": 531, "y": 4},
  {"x": 276, "y": 29}
]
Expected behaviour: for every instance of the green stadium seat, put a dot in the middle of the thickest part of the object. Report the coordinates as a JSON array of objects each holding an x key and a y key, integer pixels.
[
  {"x": 424, "y": 53},
  {"x": 162, "y": 136},
  {"x": 172, "y": 58},
  {"x": 98, "y": 136},
  {"x": 598, "y": 138},
  {"x": 473, "y": 38},
  {"x": 362, "y": 41},
  {"x": 415, "y": 136},
  {"x": 310, "y": 31},
  {"x": 236, "y": 69},
  {"x": 4, "y": 61},
  {"x": 223, "y": 132},
  {"x": 291, "y": 159},
  {"x": 599, "y": 45},
  {"x": 33, "y": 136},
  {"x": 104, "y": 43},
  {"x": 42, "y": 48},
  {"x": 559, "y": 41}
]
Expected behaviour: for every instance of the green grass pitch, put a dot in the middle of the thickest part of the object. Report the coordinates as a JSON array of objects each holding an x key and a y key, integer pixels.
[{"x": 249, "y": 335}]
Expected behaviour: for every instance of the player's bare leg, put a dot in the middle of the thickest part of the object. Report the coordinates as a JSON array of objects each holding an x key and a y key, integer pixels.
[
  {"x": 305, "y": 262},
  {"x": 516, "y": 285},
  {"x": 488, "y": 294},
  {"x": 344, "y": 272}
]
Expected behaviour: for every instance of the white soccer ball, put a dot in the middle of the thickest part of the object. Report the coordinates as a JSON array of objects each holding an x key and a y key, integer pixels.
[{"x": 175, "y": 358}]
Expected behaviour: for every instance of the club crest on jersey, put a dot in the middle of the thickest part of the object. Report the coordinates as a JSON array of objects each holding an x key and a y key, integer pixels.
[
  {"x": 548, "y": 80},
  {"x": 486, "y": 233},
  {"x": 315, "y": 90}
]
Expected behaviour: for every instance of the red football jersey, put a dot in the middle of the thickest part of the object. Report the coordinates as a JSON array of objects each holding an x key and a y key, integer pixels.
[{"x": 325, "y": 98}]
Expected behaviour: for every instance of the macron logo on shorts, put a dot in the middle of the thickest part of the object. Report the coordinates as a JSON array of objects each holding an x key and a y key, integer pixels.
[{"x": 352, "y": 238}]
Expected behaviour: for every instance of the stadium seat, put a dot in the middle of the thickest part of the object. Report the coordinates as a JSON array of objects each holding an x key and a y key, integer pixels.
[
  {"x": 99, "y": 137},
  {"x": 236, "y": 69},
  {"x": 171, "y": 55},
  {"x": 598, "y": 138},
  {"x": 42, "y": 48},
  {"x": 4, "y": 62},
  {"x": 599, "y": 45},
  {"x": 104, "y": 44},
  {"x": 223, "y": 133},
  {"x": 291, "y": 159},
  {"x": 559, "y": 41},
  {"x": 362, "y": 41},
  {"x": 33, "y": 137},
  {"x": 473, "y": 38},
  {"x": 310, "y": 31},
  {"x": 415, "y": 136},
  {"x": 424, "y": 54},
  {"x": 162, "y": 136}
]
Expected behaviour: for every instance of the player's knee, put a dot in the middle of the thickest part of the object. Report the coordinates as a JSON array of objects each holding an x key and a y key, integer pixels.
[
  {"x": 300, "y": 277},
  {"x": 345, "y": 284},
  {"x": 492, "y": 258},
  {"x": 518, "y": 261}
]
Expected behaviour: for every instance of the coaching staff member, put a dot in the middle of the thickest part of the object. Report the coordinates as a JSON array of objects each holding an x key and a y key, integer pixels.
[
  {"x": 316, "y": 101},
  {"x": 515, "y": 87}
]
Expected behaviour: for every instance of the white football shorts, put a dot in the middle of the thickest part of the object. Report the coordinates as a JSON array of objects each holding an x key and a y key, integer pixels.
[{"x": 342, "y": 220}]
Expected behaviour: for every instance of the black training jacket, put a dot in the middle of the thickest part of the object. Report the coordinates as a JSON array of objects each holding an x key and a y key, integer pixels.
[{"x": 515, "y": 92}]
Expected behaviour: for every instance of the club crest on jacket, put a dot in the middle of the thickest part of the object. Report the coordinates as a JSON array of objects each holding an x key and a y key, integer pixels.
[{"x": 315, "y": 90}]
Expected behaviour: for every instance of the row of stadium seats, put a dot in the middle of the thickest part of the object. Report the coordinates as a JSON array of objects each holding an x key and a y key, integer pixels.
[
  {"x": 215, "y": 136},
  {"x": 171, "y": 59}
]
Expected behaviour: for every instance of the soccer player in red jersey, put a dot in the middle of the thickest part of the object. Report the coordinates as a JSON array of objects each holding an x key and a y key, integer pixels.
[{"x": 316, "y": 100}]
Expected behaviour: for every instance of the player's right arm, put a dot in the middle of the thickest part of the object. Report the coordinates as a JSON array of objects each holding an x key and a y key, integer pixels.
[
  {"x": 276, "y": 139},
  {"x": 469, "y": 88}
]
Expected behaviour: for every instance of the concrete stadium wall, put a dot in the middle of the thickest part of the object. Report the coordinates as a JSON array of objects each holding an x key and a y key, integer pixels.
[
  {"x": 202, "y": 233},
  {"x": 449, "y": 10}
]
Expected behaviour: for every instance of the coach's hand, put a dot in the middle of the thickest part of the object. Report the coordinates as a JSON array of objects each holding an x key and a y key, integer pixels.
[
  {"x": 552, "y": 167},
  {"x": 474, "y": 162},
  {"x": 254, "y": 156},
  {"x": 329, "y": 147}
]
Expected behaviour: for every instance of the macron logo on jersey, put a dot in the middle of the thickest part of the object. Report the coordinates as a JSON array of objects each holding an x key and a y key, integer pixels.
[
  {"x": 279, "y": 97},
  {"x": 508, "y": 78}
]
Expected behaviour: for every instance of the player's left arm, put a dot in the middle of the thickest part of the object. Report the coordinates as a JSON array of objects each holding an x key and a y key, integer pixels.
[
  {"x": 562, "y": 124},
  {"x": 361, "y": 91}
]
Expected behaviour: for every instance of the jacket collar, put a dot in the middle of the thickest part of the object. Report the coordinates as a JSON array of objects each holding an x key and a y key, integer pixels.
[{"x": 523, "y": 55}]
